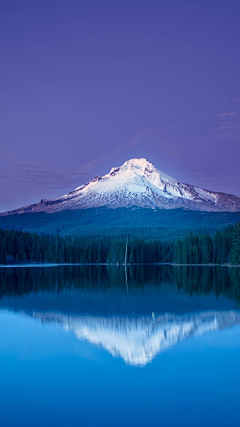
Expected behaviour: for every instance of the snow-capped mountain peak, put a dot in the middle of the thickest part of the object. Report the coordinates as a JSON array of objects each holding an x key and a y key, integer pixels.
[
  {"x": 133, "y": 177},
  {"x": 137, "y": 183}
]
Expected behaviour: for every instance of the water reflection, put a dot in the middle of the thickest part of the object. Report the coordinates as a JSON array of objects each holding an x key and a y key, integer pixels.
[
  {"x": 139, "y": 340},
  {"x": 134, "y": 317},
  {"x": 193, "y": 280}
]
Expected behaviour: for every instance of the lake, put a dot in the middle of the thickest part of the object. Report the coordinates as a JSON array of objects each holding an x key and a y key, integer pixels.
[{"x": 114, "y": 346}]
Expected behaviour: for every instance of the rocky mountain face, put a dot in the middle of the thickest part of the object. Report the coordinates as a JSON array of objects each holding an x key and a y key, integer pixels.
[{"x": 137, "y": 183}]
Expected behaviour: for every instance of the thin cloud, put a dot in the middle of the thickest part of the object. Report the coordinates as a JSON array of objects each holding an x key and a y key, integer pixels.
[
  {"x": 5, "y": 176},
  {"x": 228, "y": 114},
  {"x": 225, "y": 127},
  {"x": 226, "y": 121},
  {"x": 53, "y": 179}
]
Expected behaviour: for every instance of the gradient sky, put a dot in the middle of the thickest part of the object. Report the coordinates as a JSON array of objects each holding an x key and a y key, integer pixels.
[{"x": 88, "y": 84}]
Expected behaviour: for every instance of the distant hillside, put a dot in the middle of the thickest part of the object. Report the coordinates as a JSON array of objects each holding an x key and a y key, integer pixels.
[{"x": 138, "y": 222}]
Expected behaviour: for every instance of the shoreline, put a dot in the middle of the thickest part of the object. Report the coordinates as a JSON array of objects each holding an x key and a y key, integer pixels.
[{"x": 114, "y": 265}]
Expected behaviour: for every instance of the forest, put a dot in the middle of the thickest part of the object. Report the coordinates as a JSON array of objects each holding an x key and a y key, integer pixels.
[
  {"x": 221, "y": 248},
  {"x": 140, "y": 223}
]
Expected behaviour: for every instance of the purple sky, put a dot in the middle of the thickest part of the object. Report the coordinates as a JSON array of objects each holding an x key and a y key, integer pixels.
[{"x": 88, "y": 84}]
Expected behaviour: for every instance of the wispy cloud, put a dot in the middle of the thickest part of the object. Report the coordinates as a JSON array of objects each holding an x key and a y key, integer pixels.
[
  {"x": 225, "y": 121},
  {"x": 40, "y": 177},
  {"x": 52, "y": 178},
  {"x": 223, "y": 182},
  {"x": 233, "y": 114},
  {"x": 225, "y": 127}
]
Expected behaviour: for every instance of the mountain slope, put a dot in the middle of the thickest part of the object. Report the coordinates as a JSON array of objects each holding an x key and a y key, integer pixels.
[
  {"x": 138, "y": 222},
  {"x": 137, "y": 183}
]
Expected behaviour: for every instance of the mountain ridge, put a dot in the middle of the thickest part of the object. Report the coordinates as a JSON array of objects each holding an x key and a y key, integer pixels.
[{"x": 136, "y": 183}]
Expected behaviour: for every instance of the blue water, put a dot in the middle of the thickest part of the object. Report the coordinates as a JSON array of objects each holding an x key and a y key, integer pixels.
[{"x": 50, "y": 375}]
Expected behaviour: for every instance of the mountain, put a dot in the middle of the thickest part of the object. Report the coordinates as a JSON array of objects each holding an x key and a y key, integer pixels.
[
  {"x": 136, "y": 183},
  {"x": 139, "y": 340}
]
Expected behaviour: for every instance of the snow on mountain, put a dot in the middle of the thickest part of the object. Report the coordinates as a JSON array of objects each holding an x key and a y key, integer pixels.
[
  {"x": 137, "y": 183},
  {"x": 139, "y": 340}
]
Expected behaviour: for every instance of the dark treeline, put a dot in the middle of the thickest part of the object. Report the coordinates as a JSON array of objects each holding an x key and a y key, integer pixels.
[
  {"x": 192, "y": 280},
  {"x": 29, "y": 247},
  {"x": 222, "y": 248}
]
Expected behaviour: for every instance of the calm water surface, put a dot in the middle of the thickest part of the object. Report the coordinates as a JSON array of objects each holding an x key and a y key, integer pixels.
[{"x": 98, "y": 346}]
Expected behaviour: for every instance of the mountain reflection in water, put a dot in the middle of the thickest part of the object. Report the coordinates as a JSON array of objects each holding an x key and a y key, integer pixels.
[
  {"x": 138, "y": 340},
  {"x": 135, "y": 319}
]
